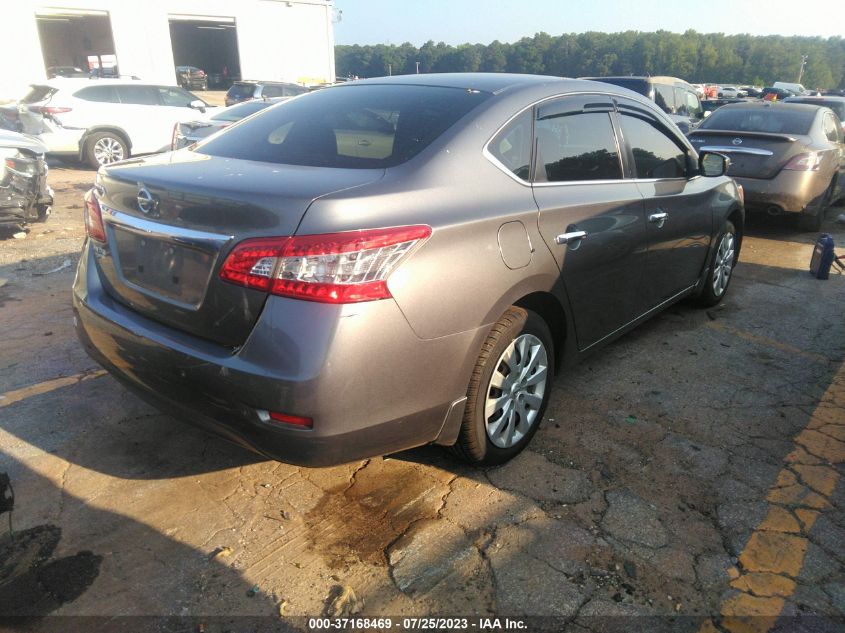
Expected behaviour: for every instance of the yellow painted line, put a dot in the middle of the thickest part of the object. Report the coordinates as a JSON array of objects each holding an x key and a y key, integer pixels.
[
  {"x": 768, "y": 342},
  {"x": 11, "y": 397},
  {"x": 772, "y": 559}
]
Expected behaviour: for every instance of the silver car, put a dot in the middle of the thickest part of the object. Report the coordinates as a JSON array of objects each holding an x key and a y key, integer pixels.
[{"x": 398, "y": 261}]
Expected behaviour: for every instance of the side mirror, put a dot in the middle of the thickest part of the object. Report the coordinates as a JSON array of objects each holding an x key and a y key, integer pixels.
[
  {"x": 712, "y": 165},
  {"x": 197, "y": 104}
]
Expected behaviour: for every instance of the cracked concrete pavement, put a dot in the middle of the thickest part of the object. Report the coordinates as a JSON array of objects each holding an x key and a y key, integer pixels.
[{"x": 693, "y": 468}]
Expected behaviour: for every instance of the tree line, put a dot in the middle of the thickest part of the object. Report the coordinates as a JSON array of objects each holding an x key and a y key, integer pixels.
[{"x": 696, "y": 57}]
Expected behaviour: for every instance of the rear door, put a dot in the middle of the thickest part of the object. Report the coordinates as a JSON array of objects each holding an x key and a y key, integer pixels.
[
  {"x": 591, "y": 219},
  {"x": 678, "y": 211}
]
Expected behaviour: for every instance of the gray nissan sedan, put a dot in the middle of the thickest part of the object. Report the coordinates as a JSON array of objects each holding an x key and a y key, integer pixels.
[{"x": 398, "y": 261}]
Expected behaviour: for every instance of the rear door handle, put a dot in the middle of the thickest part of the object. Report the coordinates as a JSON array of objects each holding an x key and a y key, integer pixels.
[
  {"x": 658, "y": 218},
  {"x": 568, "y": 238}
]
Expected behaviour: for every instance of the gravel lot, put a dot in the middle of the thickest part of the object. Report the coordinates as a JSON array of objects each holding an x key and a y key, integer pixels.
[{"x": 693, "y": 468}]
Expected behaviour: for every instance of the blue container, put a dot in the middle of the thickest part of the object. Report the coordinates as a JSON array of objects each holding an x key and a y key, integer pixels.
[{"x": 823, "y": 256}]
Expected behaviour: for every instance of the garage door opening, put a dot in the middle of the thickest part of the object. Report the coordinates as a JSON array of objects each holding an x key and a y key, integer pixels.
[
  {"x": 76, "y": 43},
  {"x": 208, "y": 44}
]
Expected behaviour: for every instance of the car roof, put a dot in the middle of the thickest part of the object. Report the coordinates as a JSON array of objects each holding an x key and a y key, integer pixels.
[
  {"x": 483, "y": 82},
  {"x": 74, "y": 83}
]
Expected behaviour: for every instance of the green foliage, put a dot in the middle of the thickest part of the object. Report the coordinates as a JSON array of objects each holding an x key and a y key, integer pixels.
[{"x": 696, "y": 57}]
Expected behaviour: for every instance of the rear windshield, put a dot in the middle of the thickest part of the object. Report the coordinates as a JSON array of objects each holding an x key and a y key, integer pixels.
[
  {"x": 637, "y": 85},
  {"x": 836, "y": 106},
  {"x": 241, "y": 91},
  {"x": 238, "y": 112},
  {"x": 359, "y": 127},
  {"x": 764, "y": 119},
  {"x": 38, "y": 93}
]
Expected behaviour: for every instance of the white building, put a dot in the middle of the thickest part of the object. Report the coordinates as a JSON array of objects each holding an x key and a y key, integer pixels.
[{"x": 287, "y": 40}]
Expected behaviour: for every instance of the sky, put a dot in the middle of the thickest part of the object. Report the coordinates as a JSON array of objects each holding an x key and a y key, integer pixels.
[{"x": 482, "y": 21}]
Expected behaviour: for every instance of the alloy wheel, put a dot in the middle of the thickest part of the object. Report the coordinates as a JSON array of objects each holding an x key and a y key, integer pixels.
[
  {"x": 723, "y": 265},
  {"x": 108, "y": 150}
]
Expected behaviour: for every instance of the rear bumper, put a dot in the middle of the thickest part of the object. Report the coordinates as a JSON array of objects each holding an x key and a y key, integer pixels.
[
  {"x": 789, "y": 191},
  {"x": 369, "y": 384}
]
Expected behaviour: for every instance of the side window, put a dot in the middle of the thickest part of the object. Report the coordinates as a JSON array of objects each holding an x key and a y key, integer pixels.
[
  {"x": 681, "y": 101},
  {"x": 577, "y": 146},
  {"x": 272, "y": 91},
  {"x": 512, "y": 146},
  {"x": 100, "y": 94},
  {"x": 694, "y": 108},
  {"x": 292, "y": 91},
  {"x": 174, "y": 97},
  {"x": 664, "y": 97},
  {"x": 830, "y": 130},
  {"x": 137, "y": 95},
  {"x": 655, "y": 154}
]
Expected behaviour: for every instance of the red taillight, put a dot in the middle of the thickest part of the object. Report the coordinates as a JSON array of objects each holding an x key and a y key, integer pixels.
[
  {"x": 49, "y": 109},
  {"x": 805, "y": 162},
  {"x": 347, "y": 267},
  {"x": 295, "y": 420},
  {"x": 94, "y": 218}
]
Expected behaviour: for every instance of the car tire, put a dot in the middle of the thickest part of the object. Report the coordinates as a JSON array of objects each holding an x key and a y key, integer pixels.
[
  {"x": 43, "y": 211},
  {"x": 491, "y": 434},
  {"x": 104, "y": 148},
  {"x": 813, "y": 223},
  {"x": 722, "y": 264}
]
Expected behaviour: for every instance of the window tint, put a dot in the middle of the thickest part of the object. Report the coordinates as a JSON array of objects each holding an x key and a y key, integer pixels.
[
  {"x": 637, "y": 85},
  {"x": 238, "y": 112},
  {"x": 830, "y": 128},
  {"x": 577, "y": 146},
  {"x": 102, "y": 94},
  {"x": 693, "y": 105},
  {"x": 323, "y": 129},
  {"x": 241, "y": 91},
  {"x": 512, "y": 146},
  {"x": 760, "y": 119},
  {"x": 681, "y": 101},
  {"x": 272, "y": 91},
  {"x": 137, "y": 95},
  {"x": 655, "y": 154},
  {"x": 176, "y": 97},
  {"x": 664, "y": 97}
]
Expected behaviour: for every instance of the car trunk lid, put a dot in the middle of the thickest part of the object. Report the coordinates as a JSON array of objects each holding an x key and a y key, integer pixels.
[
  {"x": 752, "y": 154},
  {"x": 171, "y": 221}
]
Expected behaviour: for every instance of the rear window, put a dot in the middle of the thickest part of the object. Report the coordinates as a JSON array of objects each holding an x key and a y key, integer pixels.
[
  {"x": 764, "y": 119},
  {"x": 38, "y": 93},
  {"x": 238, "y": 112},
  {"x": 836, "y": 106},
  {"x": 637, "y": 85},
  {"x": 359, "y": 127},
  {"x": 241, "y": 91}
]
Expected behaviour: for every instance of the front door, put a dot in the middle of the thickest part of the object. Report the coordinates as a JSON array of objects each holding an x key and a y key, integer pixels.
[{"x": 589, "y": 216}]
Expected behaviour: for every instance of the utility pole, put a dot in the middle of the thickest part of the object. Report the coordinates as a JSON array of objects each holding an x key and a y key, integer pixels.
[
  {"x": 390, "y": 69},
  {"x": 418, "y": 68},
  {"x": 803, "y": 63}
]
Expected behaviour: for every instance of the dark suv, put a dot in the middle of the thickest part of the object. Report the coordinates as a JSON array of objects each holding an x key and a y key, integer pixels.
[
  {"x": 246, "y": 90},
  {"x": 674, "y": 96}
]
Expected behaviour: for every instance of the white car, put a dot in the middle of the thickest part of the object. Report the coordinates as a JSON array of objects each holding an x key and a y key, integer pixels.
[
  {"x": 103, "y": 121},
  {"x": 730, "y": 92}
]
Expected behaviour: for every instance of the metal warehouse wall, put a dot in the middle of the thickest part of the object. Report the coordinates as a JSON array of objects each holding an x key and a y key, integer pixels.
[{"x": 291, "y": 40}]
